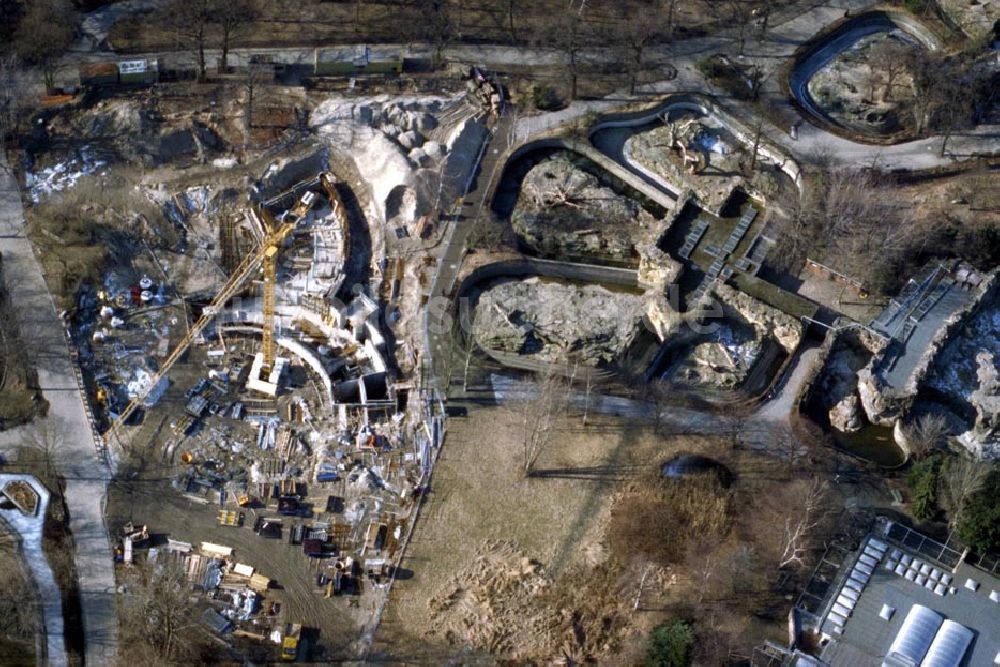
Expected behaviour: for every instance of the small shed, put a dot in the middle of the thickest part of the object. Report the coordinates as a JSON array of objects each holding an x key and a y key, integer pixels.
[{"x": 143, "y": 71}]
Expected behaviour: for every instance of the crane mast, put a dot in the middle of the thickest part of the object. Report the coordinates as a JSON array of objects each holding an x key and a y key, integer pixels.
[
  {"x": 270, "y": 266},
  {"x": 273, "y": 235}
]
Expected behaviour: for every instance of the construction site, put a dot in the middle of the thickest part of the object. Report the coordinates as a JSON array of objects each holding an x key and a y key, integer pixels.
[
  {"x": 247, "y": 336},
  {"x": 423, "y": 354}
]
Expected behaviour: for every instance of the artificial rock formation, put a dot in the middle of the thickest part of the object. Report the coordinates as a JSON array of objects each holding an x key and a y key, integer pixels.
[
  {"x": 983, "y": 439},
  {"x": 557, "y": 322},
  {"x": 566, "y": 211},
  {"x": 766, "y": 320},
  {"x": 845, "y": 416}
]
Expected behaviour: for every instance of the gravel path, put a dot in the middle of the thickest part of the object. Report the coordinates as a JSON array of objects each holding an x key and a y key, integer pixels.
[{"x": 86, "y": 477}]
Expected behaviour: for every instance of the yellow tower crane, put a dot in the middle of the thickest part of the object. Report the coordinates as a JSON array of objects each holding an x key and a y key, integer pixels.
[
  {"x": 276, "y": 234},
  {"x": 271, "y": 235}
]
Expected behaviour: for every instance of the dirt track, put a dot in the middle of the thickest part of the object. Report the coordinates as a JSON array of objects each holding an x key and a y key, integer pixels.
[{"x": 150, "y": 500}]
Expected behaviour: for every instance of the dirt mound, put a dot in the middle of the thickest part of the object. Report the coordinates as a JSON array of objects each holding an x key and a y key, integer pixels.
[
  {"x": 506, "y": 604},
  {"x": 489, "y": 604}
]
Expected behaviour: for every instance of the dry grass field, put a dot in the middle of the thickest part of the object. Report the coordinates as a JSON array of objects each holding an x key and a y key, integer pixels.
[{"x": 504, "y": 567}]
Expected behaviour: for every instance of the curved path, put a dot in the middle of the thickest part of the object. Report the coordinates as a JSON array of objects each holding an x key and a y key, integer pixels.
[
  {"x": 772, "y": 53},
  {"x": 29, "y": 530},
  {"x": 76, "y": 459},
  {"x": 844, "y": 38}
]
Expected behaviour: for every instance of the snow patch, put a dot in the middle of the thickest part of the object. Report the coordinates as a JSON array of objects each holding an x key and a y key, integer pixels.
[{"x": 63, "y": 175}]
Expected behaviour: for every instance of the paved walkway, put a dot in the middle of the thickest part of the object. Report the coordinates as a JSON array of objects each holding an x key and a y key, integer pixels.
[
  {"x": 28, "y": 530},
  {"x": 86, "y": 478}
]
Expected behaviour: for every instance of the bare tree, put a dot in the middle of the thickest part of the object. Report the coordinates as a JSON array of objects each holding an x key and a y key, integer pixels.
[
  {"x": 539, "y": 409},
  {"x": 435, "y": 26},
  {"x": 44, "y": 34},
  {"x": 762, "y": 14},
  {"x": 961, "y": 478},
  {"x": 668, "y": 9},
  {"x": 873, "y": 79},
  {"x": 189, "y": 20},
  {"x": 253, "y": 78},
  {"x": 891, "y": 58},
  {"x": 926, "y": 434},
  {"x": 796, "y": 532},
  {"x": 953, "y": 104},
  {"x": 944, "y": 93},
  {"x": 758, "y": 134},
  {"x": 18, "y": 608},
  {"x": 635, "y": 34},
  {"x": 738, "y": 13},
  {"x": 46, "y": 442},
  {"x": 588, "y": 388},
  {"x": 864, "y": 227},
  {"x": 10, "y": 95},
  {"x": 570, "y": 34},
  {"x": 489, "y": 233},
  {"x": 736, "y": 430},
  {"x": 232, "y": 17},
  {"x": 757, "y": 75},
  {"x": 162, "y": 613}
]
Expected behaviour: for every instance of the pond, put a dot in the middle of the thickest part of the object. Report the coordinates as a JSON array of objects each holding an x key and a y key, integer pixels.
[{"x": 872, "y": 443}]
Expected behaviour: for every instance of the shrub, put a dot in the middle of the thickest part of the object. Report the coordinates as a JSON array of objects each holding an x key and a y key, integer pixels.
[
  {"x": 545, "y": 98},
  {"x": 917, "y": 6},
  {"x": 670, "y": 645},
  {"x": 923, "y": 482},
  {"x": 710, "y": 67}
]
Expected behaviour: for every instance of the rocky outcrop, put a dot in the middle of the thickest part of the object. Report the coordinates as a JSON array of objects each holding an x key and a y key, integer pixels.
[
  {"x": 983, "y": 439},
  {"x": 883, "y": 405},
  {"x": 557, "y": 322},
  {"x": 397, "y": 146},
  {"x": 672, "y": 151},
  {"x": 713, "y": 364},
  {"x": 766, "y": 320},
  {"x": 846, "y": 415},
  {"x": 659, "y": 316},
  {"x": 656, "y": 268},
  {"x": 565, "y": 211}
]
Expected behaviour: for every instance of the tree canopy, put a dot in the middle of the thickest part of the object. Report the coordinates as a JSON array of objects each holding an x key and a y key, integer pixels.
[
  {"x": 980, "y": 525},
  {"x": 670, "y": 645}
]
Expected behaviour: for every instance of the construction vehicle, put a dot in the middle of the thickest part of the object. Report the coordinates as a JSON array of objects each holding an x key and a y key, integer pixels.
[
  {"x": 270, "y": 235},
  {"x": 290, "y": 642},
  {"x": 244, "y": 500}
]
